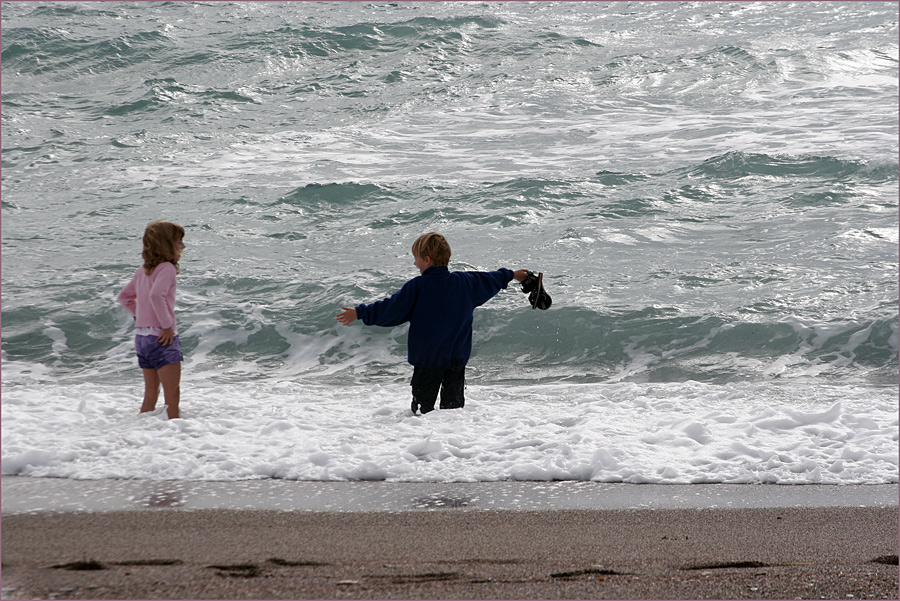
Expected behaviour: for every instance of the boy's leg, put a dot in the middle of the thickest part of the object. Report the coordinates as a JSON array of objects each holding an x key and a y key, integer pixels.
[
  {"x": 151, "y": 389},
  {"x": 426, "y": 382},
  {"x": 170, "y": 376},
  {"x": 453, "y": 385}
]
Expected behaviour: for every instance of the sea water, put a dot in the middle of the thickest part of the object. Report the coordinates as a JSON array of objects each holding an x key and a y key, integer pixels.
[{"x": 710, "y": 188}]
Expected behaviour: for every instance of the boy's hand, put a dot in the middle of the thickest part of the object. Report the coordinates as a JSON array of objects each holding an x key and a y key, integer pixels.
[
  {"x": 347, "y": 316},
  {"x": 520, "y": 274}
]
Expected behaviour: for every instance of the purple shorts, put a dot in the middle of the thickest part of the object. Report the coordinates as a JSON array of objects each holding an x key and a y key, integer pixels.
[{"x": 153, "y": 355}]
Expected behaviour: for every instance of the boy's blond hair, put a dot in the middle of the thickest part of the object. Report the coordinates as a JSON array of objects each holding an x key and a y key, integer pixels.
[
  {"x": 432, "y": 245},
  {"x": 160, "y": 238}
]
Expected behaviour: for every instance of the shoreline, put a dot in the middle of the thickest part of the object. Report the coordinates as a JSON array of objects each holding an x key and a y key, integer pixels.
[
  {"x": 23, "y": 494},
  {"x": 806, "y": 542}
]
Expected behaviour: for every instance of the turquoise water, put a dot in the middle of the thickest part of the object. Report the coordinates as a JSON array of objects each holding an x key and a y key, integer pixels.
[{"x": 711, "y": 190}]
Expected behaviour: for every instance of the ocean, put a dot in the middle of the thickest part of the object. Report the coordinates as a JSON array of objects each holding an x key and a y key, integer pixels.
[{"x": 710, "y": 189}]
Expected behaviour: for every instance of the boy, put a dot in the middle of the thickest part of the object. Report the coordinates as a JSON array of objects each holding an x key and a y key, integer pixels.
[{"x": 439, "y": 306}]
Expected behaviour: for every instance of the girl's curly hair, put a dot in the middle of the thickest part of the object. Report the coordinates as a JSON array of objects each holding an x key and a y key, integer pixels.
[{"x": 160, "y": 238}]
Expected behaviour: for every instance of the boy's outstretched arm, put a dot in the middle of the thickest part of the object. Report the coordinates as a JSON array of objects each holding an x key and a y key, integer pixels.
[{"x": 347, "y": 316}]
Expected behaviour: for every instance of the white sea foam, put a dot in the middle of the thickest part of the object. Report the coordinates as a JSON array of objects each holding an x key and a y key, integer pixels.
[{"x": 672, "y": 433}]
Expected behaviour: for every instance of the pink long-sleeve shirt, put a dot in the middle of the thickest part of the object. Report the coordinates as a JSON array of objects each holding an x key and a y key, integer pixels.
[{"x": 151, "y": 298}]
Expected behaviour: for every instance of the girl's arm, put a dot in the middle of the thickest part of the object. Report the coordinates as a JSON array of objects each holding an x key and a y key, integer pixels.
[
  {"x": 162, "y": 295},
  {"x": 128, "y": 298}
]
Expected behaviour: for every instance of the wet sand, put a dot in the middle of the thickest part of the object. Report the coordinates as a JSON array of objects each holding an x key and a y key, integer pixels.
[{"x": 454, "y": 550}]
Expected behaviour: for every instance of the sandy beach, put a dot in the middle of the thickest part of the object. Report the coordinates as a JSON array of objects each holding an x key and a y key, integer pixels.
[{"x": 711, "y": 550}]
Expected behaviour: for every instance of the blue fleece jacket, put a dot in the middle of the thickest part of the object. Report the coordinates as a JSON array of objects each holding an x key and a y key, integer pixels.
[{"x": 438, "y": 306}]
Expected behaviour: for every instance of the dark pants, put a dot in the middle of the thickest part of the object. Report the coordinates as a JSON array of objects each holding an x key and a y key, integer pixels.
[{"x": 426, "y": 382}]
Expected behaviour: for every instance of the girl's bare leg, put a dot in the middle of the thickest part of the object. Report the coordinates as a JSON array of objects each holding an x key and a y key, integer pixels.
[
  {"x": 151, "y": 390},
  {"x": 170, "y": 376}
]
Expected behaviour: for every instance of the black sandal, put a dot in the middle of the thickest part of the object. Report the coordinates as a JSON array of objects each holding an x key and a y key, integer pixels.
[{"x": 533, "y": 285}]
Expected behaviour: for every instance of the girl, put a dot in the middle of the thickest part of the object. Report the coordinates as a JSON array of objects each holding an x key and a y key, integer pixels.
[{"x": 150, "y": 298}]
